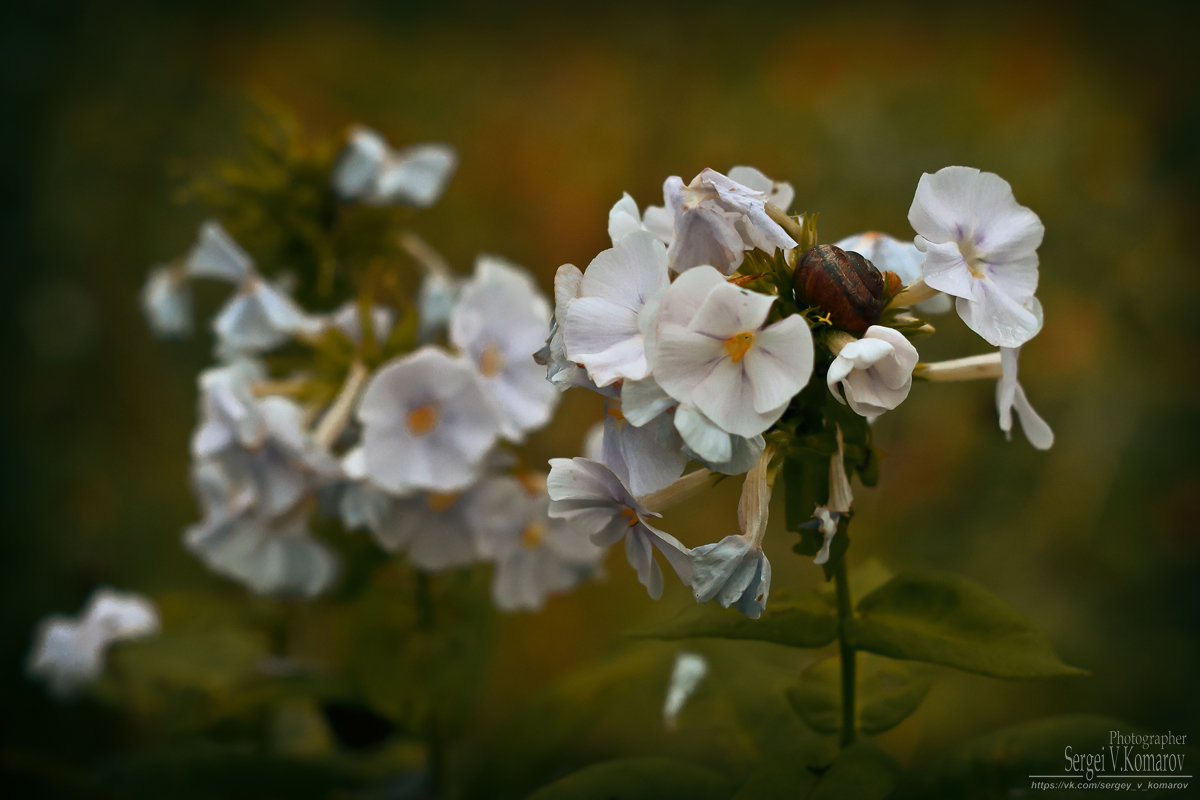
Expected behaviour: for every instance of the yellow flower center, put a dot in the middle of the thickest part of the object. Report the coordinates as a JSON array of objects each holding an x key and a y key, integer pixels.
[
  {"x": 439, "y": 502},
  {"x": 533, "y": 535},
  {"x": 738, "y": 345},
  {"x": 491, "y": 361},
  {"x": 422, "y": 420},
  {"x": 631, "y": 515},
  {"x": 974, "y": 261}
]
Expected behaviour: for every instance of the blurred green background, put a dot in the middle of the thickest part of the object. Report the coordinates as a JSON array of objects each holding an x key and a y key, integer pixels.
[{"x": 1091, "y": 112}]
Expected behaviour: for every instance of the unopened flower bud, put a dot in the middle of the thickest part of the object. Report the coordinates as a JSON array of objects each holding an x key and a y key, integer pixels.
[{"x": 844, "y": 285}]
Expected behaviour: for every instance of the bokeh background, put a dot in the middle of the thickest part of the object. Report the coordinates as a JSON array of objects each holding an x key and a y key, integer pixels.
[{"x": 1091, "y": 112}]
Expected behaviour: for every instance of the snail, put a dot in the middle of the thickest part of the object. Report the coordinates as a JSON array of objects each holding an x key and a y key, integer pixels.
[{"x": 845, "y": 286}]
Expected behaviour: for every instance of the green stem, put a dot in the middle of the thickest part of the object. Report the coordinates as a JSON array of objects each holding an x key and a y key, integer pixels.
[
  {"x": 434, "y": 740},
  {"x": 848, "y": 657}
]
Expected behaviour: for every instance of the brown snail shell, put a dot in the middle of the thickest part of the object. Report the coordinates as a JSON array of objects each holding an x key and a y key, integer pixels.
[{"x": 843, "y": 285}]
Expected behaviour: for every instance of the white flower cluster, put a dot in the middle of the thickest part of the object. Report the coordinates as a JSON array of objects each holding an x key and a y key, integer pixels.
[
  {"x": 429, "y": 476},
  {"x": 411, "y": 450},
  {"x": 695, "y": 365},
  {"x": 69, "y": 653}
]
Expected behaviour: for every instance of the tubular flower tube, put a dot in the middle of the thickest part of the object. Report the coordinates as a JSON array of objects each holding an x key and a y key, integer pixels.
[{"x": 735, "y": 571}]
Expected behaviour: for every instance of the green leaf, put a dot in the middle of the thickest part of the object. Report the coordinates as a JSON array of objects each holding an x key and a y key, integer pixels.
[
  {"x": 209, "y": 770},
  {"x": 947, "y": 619},
  {"x": 784, "y": 778},
  {"x": 861, "y": 772},
  {"x": 638, "y": 779},
  {"x": 997, "y": 764},
  {"x": 807, "y": 622},
  {"x": 888, "y": 692}
]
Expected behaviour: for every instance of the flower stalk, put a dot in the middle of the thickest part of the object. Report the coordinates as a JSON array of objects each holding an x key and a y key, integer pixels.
[
  {"x": 848, "y": 655},
  {"x": 335, "y": 419}
]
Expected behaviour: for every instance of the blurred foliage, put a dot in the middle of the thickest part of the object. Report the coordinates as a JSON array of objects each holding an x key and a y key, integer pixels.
[{"x": 1091, "y": 114}]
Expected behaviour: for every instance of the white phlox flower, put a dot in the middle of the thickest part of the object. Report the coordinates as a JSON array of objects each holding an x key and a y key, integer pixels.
[
  {"x": 717, "y": 219},
  {"x": 890, "y": 254},
  {"x": 779, "y": 193},
  {"x": 167, "y": 301},
  {"x": 723, "y": 360},
  {"x": 604, "y": 326},
  {"x": 592, "y": 499},
  {"x": 625, "y": 219},
  {"x": 370, "y": 172},
  {"x": 689, "y": 670},
  {"x": 874, "y": 372},
  {"x": 500, "y": 320},
  {"x": 1010, "y": 396},
  {"x": 980, "y": 246},
  {"x": 535, "y": 555},
  {"x": 644, "y": 405},
  {"x": 735, "y": 571},
  {"x": 647, "y": 458},
  {"x": 427, "y": 423},
  {"x": 712, "y": 445},
  {"x": 68, "y": 654},
  {"x": 562, "y": 372}
]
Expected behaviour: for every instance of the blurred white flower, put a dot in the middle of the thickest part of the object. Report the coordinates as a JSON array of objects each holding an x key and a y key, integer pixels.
[
  {"x": 888, "y": 253},
  {"x": 369, "y": 171},
  {"x": 980, "y": 246},
  {"x": 260, "y": 317},
  {"x": 216, "y": 255},
  {"x": 499, "y": 322},
  {"x": 436, "y": 530},
  {"x": 535, "y": 556},
  {"x": 167, "y": 301},
  {"x": 68, "y": 654},
  {"x": 1010, "y": 396},
  {"x": 439, "y": 290},
  {"x": 268, "y": 555},
  {"x": 228, "y": 408},
  {"x": 592, "y": 499},
  {"x": 874, "y": 372},
  {"x": 348, "y": 319},
  {"x": 717, "y": 219},
  {"x": 686, "y": 675},
  {"x": 427, "y": 423},
  {"x": 604, "y": 327},
  {"x": 624, "y": 219},
  {"x": 723, "y": 360}
]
